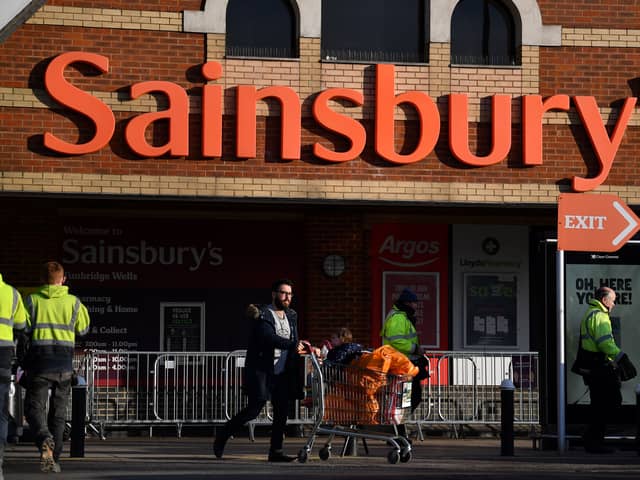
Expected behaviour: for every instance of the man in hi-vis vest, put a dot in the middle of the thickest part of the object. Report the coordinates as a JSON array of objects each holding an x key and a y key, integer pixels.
[
  {"x": 399, "y": 331},
  {"x": 603, "y": 362},
  {"x": 54, "y": 318},
  {"x": 12, "y": 317}
]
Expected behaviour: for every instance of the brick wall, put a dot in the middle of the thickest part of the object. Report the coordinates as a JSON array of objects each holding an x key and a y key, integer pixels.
[
  {"x": 588, "y": 14},
  {"x": 144, "y": 41},
  {"x": 337, "y": 302}
]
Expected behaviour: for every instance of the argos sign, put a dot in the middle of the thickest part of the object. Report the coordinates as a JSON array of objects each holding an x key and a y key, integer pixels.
[
  {"x": 408, "y": 253},
  {"x": 385, "y": 102},
  {"x": 413, "y": 256}
]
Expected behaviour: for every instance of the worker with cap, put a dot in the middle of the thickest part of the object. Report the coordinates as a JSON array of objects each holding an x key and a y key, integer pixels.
[{"x": 399, "y": 331}]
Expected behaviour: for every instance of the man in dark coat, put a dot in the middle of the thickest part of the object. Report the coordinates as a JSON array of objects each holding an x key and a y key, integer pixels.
[{"x": 270, "y": 369}]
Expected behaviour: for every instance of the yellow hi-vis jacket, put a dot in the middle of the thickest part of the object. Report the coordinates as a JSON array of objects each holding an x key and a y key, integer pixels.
[
  {"x": 12, "y": 317},
  {"x": 596, "y": 334},
  {"x": 399, "y": 332},
  {"x": 54, "y": 319}
]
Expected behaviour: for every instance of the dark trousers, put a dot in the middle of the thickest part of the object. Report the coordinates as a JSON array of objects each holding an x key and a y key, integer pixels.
[
  {"x": 52, "y": 425},
  {"x": 4, "y": 418},
  {"x": 416, "y": 386},
  {"x": 606, "y": 399},
  {"x": 280, "y": 404}
]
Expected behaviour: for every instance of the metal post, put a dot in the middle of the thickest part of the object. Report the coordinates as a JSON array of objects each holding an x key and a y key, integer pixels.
[
  {"x": 78, "y": 416},
  {"x": 638, "y": 418},
  {"x": 507, "y": 390},
  {"x": 561, "y": 405},
  {"x": 350, "y": 447}
]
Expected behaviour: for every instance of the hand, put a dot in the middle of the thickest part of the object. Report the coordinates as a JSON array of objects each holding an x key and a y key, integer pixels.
[{"x": 252, "y": 312}]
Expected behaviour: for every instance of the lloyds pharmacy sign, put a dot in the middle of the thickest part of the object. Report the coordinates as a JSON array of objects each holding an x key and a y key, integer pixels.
[{"x": 385, "y": 102}]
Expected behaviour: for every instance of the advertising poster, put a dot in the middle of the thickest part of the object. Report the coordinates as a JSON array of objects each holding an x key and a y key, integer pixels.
[
  {"x": 182, "y": 327},
  {"x": 581, "y": 281},
  {"x": 425, "y": 286},
  {"x": 413, "y": 256},
  {"x": 491, "y": 280},
  {"x": 490, "y": 305}
]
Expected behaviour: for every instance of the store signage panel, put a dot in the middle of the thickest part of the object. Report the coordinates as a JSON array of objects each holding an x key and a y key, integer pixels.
[
  {"x": 594, "y": 223},
  {"x": 386, "y": 101},
  {"x": 413, "y": 256},
  {"x": 123, "y": 269},
  {"x": 182, "y": 326},
  {"x": 491, "y": 313},
  {"x": 491, "y": 279}
]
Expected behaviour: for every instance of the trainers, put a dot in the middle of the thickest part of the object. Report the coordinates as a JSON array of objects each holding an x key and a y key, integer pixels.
[{"x": 47, "y": 462}]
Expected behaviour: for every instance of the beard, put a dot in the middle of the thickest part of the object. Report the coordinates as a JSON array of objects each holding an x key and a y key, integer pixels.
[
  {"x": 409, "y": 310},
  {"x": 280, "y": 304}
]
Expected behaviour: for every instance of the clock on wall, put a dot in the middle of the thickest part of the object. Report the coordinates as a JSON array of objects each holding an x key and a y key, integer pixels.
[{"x": 333, "y": 265}]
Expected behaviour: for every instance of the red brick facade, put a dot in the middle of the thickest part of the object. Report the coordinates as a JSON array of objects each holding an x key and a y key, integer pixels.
[{"x": 335, "y": 204}]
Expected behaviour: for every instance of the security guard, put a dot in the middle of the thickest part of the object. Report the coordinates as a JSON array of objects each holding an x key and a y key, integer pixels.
[
  {"x": 602, "y": 358},
  {"x": 399, "y": 331},
  {"x": 12, "y": 317},
  {"x": 54, "y": 318}
]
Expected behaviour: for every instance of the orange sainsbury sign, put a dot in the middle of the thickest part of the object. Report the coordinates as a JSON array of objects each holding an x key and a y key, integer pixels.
[
  {"x": 594, "y": 223},
  {"x": 385, "y": 102}
]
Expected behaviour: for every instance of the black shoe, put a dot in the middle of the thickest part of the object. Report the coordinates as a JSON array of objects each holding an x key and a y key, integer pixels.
[
  {"x": 280, "y": 457},
  {"x": 601, "y": 449},
  {"x": 218, "y": 446}
]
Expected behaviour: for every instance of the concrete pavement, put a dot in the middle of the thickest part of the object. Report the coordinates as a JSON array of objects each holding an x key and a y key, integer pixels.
[{"x": 138, "y": 458}]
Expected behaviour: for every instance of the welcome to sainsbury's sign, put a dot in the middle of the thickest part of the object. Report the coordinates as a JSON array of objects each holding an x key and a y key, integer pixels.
[{"x": 385, "y": 99}]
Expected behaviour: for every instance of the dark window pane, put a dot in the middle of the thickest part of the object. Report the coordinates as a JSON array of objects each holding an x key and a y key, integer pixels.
[
  {"x": 376, "y": 30},
  {"x": 261, "y": 28},
  {"x": 483, "y": 33}
]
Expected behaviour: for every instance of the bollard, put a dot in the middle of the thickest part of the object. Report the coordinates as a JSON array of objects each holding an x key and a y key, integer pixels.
[
  {"x": 638, "y": 418},
  {"x": 507, "y": 389},
  {"x": 78, "y": 416}
]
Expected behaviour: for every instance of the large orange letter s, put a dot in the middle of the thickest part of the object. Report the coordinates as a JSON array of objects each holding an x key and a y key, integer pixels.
[{"x": 74, "y": 98}]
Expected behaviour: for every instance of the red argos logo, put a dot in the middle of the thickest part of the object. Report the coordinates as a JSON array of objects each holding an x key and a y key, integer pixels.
[{"x": 409, "y": 253}]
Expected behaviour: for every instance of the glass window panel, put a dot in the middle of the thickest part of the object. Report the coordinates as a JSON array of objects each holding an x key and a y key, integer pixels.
[
  {"x": 261, "y": 28},
  {"x": 378, "y": 30},
  {"x": 482, "y": 33}
]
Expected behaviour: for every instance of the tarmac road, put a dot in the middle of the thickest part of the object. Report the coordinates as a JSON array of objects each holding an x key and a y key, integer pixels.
[{"x": 140, "y": 458}]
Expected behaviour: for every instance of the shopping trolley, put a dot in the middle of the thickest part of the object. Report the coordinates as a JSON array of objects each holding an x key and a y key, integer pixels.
[{"x": 351, "y": 402}]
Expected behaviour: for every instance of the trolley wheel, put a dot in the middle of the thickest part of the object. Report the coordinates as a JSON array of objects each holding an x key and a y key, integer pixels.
[
  {"x": 405, "y": 456},
  {"x": 393, "y": 457},
  {"x": 324, "y": 453},
  {"x": 303, "y": 455}
]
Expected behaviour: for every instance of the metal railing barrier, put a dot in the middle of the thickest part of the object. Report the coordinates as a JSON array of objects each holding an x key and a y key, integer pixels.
[{"x": 179, "y": 388}]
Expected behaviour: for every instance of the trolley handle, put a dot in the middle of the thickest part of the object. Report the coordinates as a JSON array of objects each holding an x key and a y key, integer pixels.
[{"x": 306, "y": 347}]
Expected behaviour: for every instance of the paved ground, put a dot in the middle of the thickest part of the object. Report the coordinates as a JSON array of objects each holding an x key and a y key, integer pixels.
[{"x": 190, "y": 458}]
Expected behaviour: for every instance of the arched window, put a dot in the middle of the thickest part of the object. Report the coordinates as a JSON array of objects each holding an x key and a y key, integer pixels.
[
  {"x": 261, "y": 28},
  {"x": 375, "y": 30},
  {"x": 483, "y": 32}
]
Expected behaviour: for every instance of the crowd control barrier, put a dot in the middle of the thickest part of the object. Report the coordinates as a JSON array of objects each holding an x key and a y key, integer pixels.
[
  {"x": 464, "y": 388},
  {"x": 147, "y": 389}
]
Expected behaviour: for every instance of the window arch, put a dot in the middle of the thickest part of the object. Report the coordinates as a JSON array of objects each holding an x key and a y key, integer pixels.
[
  {"x": 378, "y": 30},
  {"x": 483, "y": 32},
  {"x": 261, "y": 28}
]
